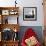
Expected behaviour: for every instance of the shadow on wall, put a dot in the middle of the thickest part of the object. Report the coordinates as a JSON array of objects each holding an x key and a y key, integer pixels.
[{"x": 37, "y": 29}]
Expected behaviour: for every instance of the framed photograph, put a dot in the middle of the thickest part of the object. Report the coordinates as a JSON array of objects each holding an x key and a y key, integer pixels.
[
  {"x": 29, "y": 13},
  {"x": 5, "y": 12},
  {"x": 13, "y": 20},
  {"x": 10, "y": 20},
  {"x": 13, "y": 12}
]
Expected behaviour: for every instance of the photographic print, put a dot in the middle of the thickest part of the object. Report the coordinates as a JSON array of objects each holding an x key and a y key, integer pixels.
[{"x": 29, "y": 13}]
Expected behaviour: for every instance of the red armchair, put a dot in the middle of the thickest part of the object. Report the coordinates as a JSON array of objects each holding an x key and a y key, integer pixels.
[{"x": 30, "y": 34}]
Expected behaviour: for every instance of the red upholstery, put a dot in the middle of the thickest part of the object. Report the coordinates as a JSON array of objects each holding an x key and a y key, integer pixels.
[{"x": 29, "y": 33}]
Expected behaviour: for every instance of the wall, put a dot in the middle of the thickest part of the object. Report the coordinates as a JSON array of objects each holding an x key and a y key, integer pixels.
[
  {"x": 37, "y": 29},
  {"x": 26, "y": 3},
  {"x": 44, "y": 4},
  {"x": 33, "y": 3},
  {"x": 39, "y": 21}
]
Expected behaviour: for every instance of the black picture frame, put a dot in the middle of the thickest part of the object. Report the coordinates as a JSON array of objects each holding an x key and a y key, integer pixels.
[{"x": 29, "y": 13}]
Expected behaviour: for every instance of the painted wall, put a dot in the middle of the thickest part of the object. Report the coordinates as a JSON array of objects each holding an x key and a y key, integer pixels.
[
  {"x": 33, "y": 3},
  {"x": 37, "y": 29},
  {"x": 26, "y": 3}
]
